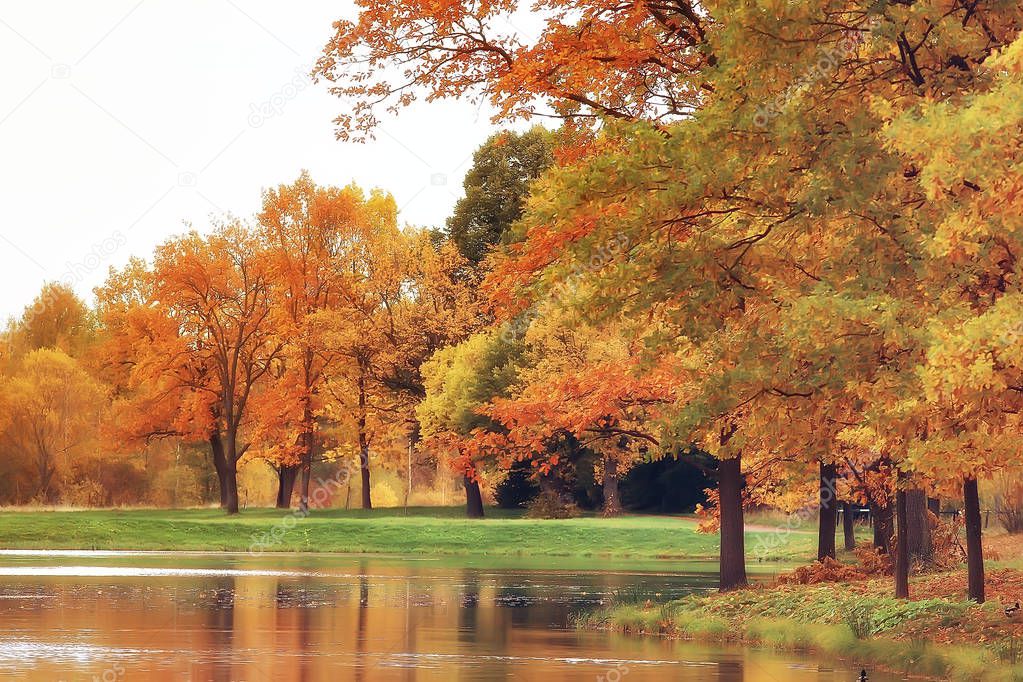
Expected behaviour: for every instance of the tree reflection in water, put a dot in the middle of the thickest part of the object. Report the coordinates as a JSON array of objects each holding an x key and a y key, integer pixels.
[{"x": 307, "y": 619}]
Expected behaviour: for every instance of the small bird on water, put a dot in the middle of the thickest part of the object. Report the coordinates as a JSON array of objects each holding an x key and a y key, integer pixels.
[{"x": 1012, "y": 612}]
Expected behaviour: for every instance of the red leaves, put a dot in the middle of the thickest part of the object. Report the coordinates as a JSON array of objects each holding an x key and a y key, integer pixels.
[{"x": 827, "y": 571}]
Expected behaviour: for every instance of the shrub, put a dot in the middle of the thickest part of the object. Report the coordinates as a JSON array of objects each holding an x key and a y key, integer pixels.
[
  {"x": 550, "y": 505},
  {"x": 84, "y": 493},
  {"x": 860, "y": 621},
  {"x": 872, "y": 560},
  {"x": 827, "y": 571},
  {"x": 869, "y": 615},
  {"x": 709, "y": 627}
]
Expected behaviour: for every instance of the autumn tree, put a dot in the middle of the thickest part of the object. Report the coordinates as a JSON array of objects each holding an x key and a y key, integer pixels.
[
  {"x": 632, "y": 62},
  {"x": 619, "y": 60},
  {"x": 163, "y": 384},
  {"x": 966, "y": 167},
  {"x": 373, "y": 332},
  {"x": 583, "y": 381},
  {"x": 53, "y": 413},
  {"x": 218, "y": 291},
  {"x": 307, "y": 231},
  {"x": 195, "y": 336},
  {"x": 57, "y": 318},
  {"x": 721, "y": 251},
  {"x": 438, "y": 306}
]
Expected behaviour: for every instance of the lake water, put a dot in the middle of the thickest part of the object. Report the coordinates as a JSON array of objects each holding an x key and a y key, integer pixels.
[{"x": 163, "y": 616}]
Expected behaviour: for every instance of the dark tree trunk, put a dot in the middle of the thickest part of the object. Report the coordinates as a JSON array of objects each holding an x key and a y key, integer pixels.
[
  {"x": 848, "y": 527},
  {"x": 884, "y": 529},
  {"x": 231, "y": 458},
  {"x": 732, "y": 558},
  {"x": 231, "y": 500},
  {"x": 473, "y": 498},
  {"x": 612, "y": 502},
  {"x": 367, "y": 501},
  {"x": 220, "y": 466},
  {"x": 901, "y": 548},
  {"x": 918, "y": 527},
  {"x": 306, "y": 468},
  {"x": 286, "y": 476},
  {"x": 828, "y": 507},
  {"x": 934, "y": 506},
  {"x": 974, "y": 542},
  {"x": 308, "y": 441}
]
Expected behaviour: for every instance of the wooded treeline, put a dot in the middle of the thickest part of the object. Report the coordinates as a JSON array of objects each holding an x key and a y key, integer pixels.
[
  {"x": 785, "y": 233},
  {"x": 782, "y": 235}
]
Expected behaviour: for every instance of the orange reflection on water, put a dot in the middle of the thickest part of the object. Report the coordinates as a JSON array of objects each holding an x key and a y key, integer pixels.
[{"x": 250, "y": 618}]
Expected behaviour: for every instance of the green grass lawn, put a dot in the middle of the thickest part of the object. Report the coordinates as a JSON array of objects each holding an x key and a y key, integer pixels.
[{"x": 433, "y": 530}]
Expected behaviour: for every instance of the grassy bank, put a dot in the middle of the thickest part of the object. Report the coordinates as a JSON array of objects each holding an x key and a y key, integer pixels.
[
  {"x": 937, "y": 634},
  {"x": 433, "y": 530}
]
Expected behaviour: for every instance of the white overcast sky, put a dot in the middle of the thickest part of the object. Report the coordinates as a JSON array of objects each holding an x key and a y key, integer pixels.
[{"x": 123, "y": 120}]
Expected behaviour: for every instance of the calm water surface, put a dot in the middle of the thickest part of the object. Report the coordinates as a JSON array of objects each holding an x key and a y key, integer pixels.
[{"x": 161, "y": 616}]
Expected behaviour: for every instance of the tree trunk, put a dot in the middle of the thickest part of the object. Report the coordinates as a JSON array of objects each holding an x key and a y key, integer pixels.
[
  {"x": 612, "y": 502},
  {"x": 413, "y": 438},
  {"x": 220, "y": 466},
  {"x": 46, "y": 472},
  {"x": 367, "y": 502},
  {"x": 974, "y": 542},
  {"x": 918, "y": 527},
  {"x": 901, "y": 548},
  {"x": 473, "y": 498},
  {"x": 848, "y": 527},
  {"x": 828, "y": 507},
  {"x": 286, "y": 476},
  {"x": 308, "y": 440},
  {"x": 231, "y": 459},
  {"x": 231, "y": 499},
  {"x": 883, "y": 527},
  {"x": 732, "y": 558},
  {"x": 303, "y": 485}
]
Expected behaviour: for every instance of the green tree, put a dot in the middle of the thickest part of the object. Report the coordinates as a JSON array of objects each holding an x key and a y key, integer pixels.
[
  {"x": 496, "y": 188},
  {"x": 460, "y": 380}
]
